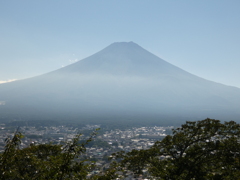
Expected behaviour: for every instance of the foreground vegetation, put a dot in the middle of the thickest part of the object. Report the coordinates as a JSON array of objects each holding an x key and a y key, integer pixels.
[{"x": 206, "y": 149}]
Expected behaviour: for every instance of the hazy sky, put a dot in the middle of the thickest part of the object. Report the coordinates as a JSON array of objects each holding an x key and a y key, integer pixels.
[{"x": 201, "y": 37}]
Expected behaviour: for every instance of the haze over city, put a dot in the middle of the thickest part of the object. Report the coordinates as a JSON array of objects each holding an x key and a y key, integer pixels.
[{"x": 201, "y": 37}]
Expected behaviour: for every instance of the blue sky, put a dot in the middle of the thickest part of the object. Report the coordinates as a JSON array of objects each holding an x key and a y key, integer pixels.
[{"x": 201, "y": 37}]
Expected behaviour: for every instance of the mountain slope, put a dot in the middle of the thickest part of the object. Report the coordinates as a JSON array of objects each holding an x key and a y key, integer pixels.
[{"x": 122, "y": 81}]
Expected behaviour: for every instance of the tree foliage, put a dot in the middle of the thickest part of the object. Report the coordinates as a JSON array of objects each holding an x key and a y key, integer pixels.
[
  {"x": 204, "y": 149},
  {"x": 199, "y": 150},
  {"x": 44, "y": 161}
]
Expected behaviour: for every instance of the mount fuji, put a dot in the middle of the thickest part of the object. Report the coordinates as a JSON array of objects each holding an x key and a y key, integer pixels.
[{"x": 122, "y": 82}]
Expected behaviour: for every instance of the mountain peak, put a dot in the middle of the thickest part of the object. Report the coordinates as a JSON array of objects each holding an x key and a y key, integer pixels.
[
  {"x": 119, "y": 45},
  {"x": 123, "y": 58},
  {"x": 125, "y": 43}
]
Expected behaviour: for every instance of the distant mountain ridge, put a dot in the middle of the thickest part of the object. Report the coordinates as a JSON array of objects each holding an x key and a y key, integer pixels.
[{"x": 122, "y": 81}]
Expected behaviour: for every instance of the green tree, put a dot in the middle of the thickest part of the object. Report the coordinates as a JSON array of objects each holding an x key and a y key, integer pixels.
[
  {"x": 44, "y": 161},
  {"x": 200, "y": 150},
  {"x": 206, "y": 149}
]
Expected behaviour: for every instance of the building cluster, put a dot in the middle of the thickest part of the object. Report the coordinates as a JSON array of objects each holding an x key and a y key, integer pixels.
[
  {"x": 132, "y": 138},
  {"x": 100, "y": 149}
]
